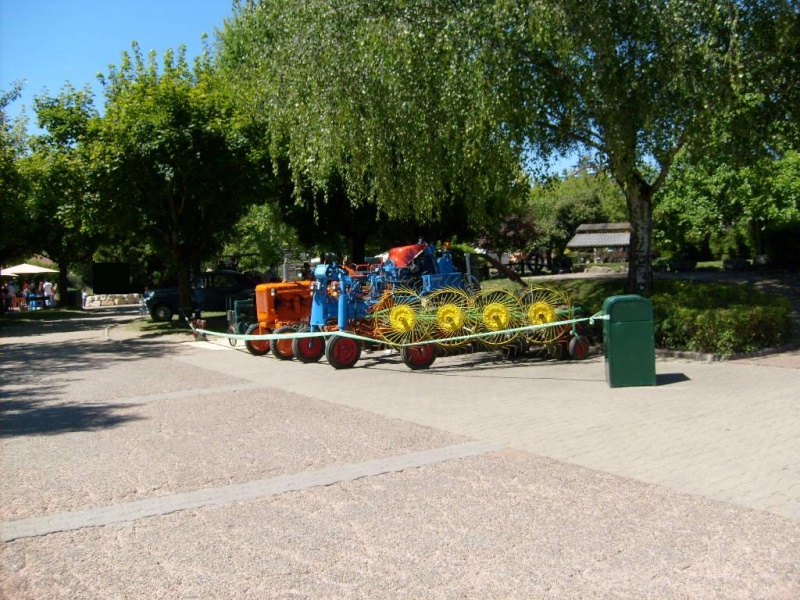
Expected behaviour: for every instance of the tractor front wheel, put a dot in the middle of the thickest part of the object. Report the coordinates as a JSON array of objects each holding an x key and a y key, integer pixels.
[
  {"x": 257, "y": 347},
  {"x": 282, "y": 349},
  {"x": 310, "y": 349}
]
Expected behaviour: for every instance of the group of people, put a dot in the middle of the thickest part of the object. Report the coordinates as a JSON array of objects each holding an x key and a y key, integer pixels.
[{"x": 32, "y": 295}]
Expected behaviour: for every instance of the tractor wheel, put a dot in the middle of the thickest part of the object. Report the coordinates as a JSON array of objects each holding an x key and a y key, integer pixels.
[
  {"x": 308, "y": 350},
  {"x": 418, "y": 357},
  {"x": 257, "y": 347},
  {"x": 161, "y": 313},
  {"x": 579, "y": 347},
  {"x": 342, "y": 352},
  {"x": 282, "y": 349},
  {"x": 232, "y": 331}
]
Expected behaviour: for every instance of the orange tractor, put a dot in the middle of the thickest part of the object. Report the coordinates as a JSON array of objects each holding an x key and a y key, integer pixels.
[{"x": 280, "y": 308}]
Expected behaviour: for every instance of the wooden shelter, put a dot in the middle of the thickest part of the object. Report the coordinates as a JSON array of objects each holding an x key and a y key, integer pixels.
[{"x": 602, "y": 242}]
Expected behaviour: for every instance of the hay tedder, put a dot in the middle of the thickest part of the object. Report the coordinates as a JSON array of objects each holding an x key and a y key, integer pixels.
[{"x": 414, "y": 301}]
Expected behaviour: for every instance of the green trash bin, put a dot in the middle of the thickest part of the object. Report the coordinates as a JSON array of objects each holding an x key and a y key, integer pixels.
[{"x": 629, "y": 340}]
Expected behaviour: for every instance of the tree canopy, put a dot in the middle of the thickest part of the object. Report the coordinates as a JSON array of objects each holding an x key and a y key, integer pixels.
[
  {"x": 12, "y": 193},
  {"x": 56, "y": 179},
  {"x": 353, "y": 93},
  {"x": 417, "y": 104},
  {"x": 168, "y": 162}
]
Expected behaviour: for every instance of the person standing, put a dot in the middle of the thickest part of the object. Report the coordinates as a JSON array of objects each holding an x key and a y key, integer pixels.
[
  {"x": 47, "y": 292},
  {"x": 272, "y": 274},
  {"x": 11, "y": 294},
  {"x": 306, "y": 273}
]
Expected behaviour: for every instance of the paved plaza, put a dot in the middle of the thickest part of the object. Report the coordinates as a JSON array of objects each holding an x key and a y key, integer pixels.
[{"x": 137, "y": 467}]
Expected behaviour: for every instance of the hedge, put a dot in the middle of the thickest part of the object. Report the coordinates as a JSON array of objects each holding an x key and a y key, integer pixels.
[{"x": 719, "y": 319}]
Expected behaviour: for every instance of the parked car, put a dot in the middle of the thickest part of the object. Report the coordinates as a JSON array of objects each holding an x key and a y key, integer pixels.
[{"x": 211, "y": 291}]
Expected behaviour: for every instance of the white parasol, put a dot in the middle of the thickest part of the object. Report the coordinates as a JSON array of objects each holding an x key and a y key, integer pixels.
[{"x": 26, "y": 269}]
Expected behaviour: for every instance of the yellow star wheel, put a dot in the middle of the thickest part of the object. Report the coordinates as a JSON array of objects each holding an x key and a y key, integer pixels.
[
  {"x": 544, "y": 306},
  {"x": 497, "y": 310},
  {"x": 396, "y": 317},
  {"x": 447, "y": 311}
]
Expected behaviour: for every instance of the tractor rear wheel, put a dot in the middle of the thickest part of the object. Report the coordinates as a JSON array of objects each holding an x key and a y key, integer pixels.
[{"x": 282, "y": 349}]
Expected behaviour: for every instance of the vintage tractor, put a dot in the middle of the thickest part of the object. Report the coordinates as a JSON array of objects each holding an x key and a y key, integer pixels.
[
  {"x": 280, "y": 308},
  {"x": 358, "y": 299}
]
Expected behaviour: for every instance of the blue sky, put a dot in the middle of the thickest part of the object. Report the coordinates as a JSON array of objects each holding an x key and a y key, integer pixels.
[{"x": 48, "y": 43}]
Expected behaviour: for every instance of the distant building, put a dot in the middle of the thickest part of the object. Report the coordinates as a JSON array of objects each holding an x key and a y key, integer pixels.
[{"x": 602, "y": 242}]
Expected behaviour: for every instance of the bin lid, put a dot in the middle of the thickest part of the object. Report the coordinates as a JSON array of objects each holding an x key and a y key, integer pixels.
[{"x": 629, "y": 307}]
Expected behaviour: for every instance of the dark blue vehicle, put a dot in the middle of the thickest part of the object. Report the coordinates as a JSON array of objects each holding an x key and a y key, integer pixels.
[{"x": 211, "y": 291}]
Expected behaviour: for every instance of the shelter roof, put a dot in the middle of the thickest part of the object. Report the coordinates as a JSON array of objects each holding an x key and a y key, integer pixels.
[
  {"x": 600, "y": 240},
  {"x": 603, "y": 227}
]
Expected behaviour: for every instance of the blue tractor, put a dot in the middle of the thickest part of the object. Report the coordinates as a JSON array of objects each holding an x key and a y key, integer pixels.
[{"x": 383, "y": 302}]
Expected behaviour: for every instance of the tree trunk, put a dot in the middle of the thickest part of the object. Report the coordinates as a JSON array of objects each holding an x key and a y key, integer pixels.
[
  {"x": 511, "y": 274},
  {"x": 640, "y": 252},
  {"x": 63, "y": 285},
  {"x": 184, "y": 287},
  {"x": 357, "y": 249}
]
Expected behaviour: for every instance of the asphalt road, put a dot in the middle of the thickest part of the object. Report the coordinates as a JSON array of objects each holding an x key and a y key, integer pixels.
[{"x": 135, "y": 467}]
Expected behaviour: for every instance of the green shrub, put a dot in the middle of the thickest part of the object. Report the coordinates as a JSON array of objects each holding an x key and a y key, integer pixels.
[
  {"x": 719, "y": 318},
  {"x": 714, "y": 318}
]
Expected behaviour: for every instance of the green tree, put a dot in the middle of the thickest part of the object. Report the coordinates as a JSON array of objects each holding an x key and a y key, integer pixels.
[
  {"x": 57, "y": 181},
  {"x": 728, "y": 208},
  {"x": 261, "y": 231},
  {"x": 353, "y": 97},
  {"x": 12, "y": 184},
  {"x": 729, "y": 191},
  {"x": 561, "y": 205},
  {"x": 169, "y": 164},
  {"x": 634, "y": 81},
  {"x": 416, "y": 102}
]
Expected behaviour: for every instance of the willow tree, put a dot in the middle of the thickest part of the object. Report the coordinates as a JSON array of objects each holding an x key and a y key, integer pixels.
[
  {"x": 418, "y": 102},
  {"x": 353, "y": 93}
]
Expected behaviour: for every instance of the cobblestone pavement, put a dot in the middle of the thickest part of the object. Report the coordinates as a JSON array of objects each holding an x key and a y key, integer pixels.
[
  {"x": 725, "y": 430},
  {"x": 139, "y": 468}
]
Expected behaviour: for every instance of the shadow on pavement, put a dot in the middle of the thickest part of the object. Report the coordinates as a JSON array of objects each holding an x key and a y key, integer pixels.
[
  {"x": 25, "y": 364},
  {"x": 670, "y": 378},
  {"x": 64, "y": 322},
  {"x": 22, "y": 416}
]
